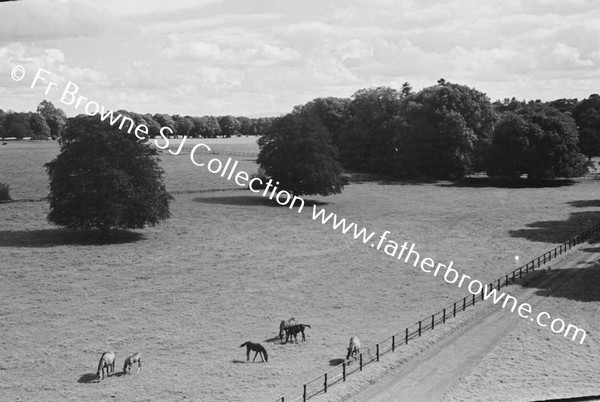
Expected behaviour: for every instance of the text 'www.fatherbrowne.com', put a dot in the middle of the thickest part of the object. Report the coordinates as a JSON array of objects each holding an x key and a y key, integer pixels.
[{"x": 407, "y": 252}]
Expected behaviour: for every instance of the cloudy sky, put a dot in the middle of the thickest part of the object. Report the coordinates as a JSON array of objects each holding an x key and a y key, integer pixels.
[{"x": 262, "y": 57}]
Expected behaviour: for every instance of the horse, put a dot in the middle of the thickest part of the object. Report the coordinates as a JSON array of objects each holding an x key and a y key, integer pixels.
[
  {"x": 353, "y": 347},
  {"x": 106, "y": 361},
  {"x": 130, "y": 361},
  {"x": 293, "y": 331},
  {"x": 255, "y": 347},
  {"x": 285, "y": 324}
]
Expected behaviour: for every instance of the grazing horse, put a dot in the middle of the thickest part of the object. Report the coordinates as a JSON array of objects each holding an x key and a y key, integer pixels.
[
  {"x": 353, "y": 347},
  {"x": 256, "y": 347},
  {"x": 293, "y": 331},
  {"x": 106, "y": 361},
  {"x": 130, "y": 361},
  {"x": 284, "y": 325}
]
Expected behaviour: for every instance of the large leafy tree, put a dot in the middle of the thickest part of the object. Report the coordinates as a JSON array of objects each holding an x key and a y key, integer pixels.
[
  {"x": 537, "y": 140},
  {"x": 587, "y": 116},
  {"x": 105, "y": 178},
  {"x": 55, "y": 118},
  {"x": 297, "y": 151},
  {"x": 39, "y": 126},
  {"x": 451, "y": 126},
  {"x": 230, "y": 126},
  {"x": 367, "y": 142},
  {"x": 17, "y": 125}
]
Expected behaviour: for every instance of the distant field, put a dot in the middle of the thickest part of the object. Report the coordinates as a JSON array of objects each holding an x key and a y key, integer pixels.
[{"x": 228, "y": 267}]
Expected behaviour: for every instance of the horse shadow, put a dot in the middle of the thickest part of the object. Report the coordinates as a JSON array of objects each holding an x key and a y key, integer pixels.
[
  {"x": 272, "y": 340},
  {"x": 239, "y": 361},
  {"x": 88, "y": 378},
  {"x": 336, "y": 362}
]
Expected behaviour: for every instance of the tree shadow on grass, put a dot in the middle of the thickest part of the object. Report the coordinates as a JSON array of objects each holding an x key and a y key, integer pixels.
[
  {"x": 508, "y": 183},
  {"x": 579, "y": 283},
  {"x": 558, "y": 231},
  {"x": 586, "y": 203},
  {"x": 249, "y": 200},
  {"x": 64, "y": 237}
]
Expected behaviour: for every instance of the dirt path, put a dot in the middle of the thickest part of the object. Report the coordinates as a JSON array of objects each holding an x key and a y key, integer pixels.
[{"x": 437, "y": 371}]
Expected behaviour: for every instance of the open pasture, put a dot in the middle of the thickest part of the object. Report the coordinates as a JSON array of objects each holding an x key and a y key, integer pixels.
[{"x": 228, "y": 266}]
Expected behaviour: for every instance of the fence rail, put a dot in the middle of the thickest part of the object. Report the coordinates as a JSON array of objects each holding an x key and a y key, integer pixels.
[{"x": 339, "y": 373}]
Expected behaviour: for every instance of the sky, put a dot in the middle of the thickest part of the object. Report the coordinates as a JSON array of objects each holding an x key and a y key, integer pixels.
[{"x": 263, "y": 57}]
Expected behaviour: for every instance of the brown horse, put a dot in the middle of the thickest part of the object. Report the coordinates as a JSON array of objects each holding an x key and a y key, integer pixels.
[
  {"x": 106, "y": 361},
  {"x": 255, "y": 347},
  {"x": 285, "y": 324},
  {"x": 294, "y": 330}
]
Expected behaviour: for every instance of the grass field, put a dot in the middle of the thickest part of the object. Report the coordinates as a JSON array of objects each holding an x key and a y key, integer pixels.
[{"x": 228, "y": 266}]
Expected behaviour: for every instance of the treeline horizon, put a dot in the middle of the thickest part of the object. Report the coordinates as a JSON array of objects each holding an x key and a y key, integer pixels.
[{"x": 444, "y": 131}]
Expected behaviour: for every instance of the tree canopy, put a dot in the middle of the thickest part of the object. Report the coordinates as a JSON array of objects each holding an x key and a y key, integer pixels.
[
  {"x": 537, "y": 140},
  {"x": 105, "y": 178},
  {"x": 297, "y": 151}
]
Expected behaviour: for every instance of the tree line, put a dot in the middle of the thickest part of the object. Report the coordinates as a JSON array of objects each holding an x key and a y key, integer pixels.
[
  {"x": 445, "y": 131},
  {"x": 50, "y": 122}
]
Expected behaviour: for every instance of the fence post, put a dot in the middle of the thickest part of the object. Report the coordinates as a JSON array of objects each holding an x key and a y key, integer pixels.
[
  {"x": 360, "y": 361},
  {"x": 454, "y": 309},
  {"x": 419, "y": 328},
  {"x": 444, "y": 318},
  {"x": 377, "y": 347},
  {"x": 432, "y": 321},
  {"x": 406, "y": 336},
  {"x": 393, "y": 342},
  {"x": 506, "y": 281},
  {"x": 344, "y": 371},
  {"x": 464, "y": 303},
  {"x": 520, "y": 272},
  {"x": 513, "y": 276},
  {"x": 498, "y": 284},
  {"x": 304, "y": 394},
  {"x": 473, "y": 299},
  {"x": 325, "y": 387}
]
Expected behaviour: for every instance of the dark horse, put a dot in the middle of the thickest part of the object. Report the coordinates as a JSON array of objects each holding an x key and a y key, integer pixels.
[
  {"x": 283, "y": 325},
  {"x": 256, "y": 347},
  {"x": 294, "y": 330}
]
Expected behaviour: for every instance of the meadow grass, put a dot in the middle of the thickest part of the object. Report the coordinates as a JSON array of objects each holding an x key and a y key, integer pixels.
[{"x": 228, "y": 266}]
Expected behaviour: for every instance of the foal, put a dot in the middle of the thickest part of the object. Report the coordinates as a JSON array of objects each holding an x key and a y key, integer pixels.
[
  {"x": 106, "y": 361},
  {"x": 255, "y": 347},
  {"x": 130, "y": 361}
]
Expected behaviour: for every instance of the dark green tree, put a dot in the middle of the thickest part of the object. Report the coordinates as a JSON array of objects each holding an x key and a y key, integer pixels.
[
  {"x": 17, "y": 125},
  {"x": 368, "y": 140},
  {"x": 297, "y": 151},
  {"x": 451, "y": 126},
  {"x": 230, "y": 126},
  {"x": 39, "y": 126},
  {"x": 105, "y": 178},
  {"x": 587, "y": 117},
  {"x": 55, "y": 118},
  {"x": 537, "y": 140}
]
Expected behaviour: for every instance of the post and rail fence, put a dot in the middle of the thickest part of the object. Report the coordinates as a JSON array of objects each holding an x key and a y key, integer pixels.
[{"x": 339, "y": 373}]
